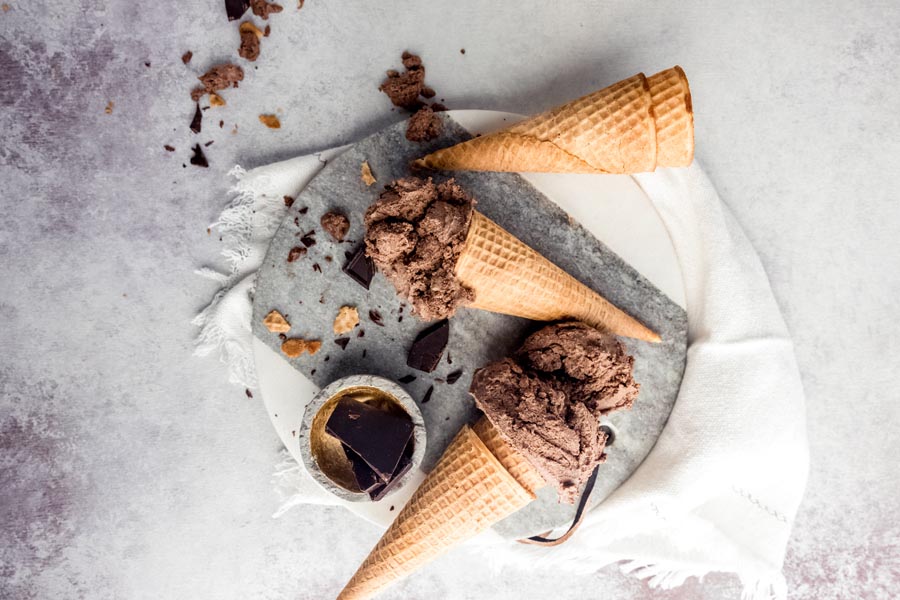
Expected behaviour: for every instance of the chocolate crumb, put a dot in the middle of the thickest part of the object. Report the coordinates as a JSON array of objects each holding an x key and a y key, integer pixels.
[
  {"x": 263, "y": 9},
  {"x": 364, "y": 353},
  {"x": 428, "y": 92},
  {"x": 303, "y": 210},
  {"x": 449, "y": 360},
  {"x": 342, "y": 342},
  {"x": 400, "y": 319},
  {"x": 313, "y": 372},
  {"x": 328, "y": 259},
  {"x": 392, "y": 507},
  {"x": 462, "y": 50},
  {"x": 427, "y": 395},
  {"x": 297, "y": 222},
  {"x": 454, "y": 376},
  {"x": 375, "y": 317},
  {"x": 407, "y": 379},
  {"x": 208, "y": 144},
  {"x": 282, "y": 336},
  {"x": 187, "y": 56},
  {"x": 317, "y": 268},
  {"x": 147, "y": 64},
  {"x": 336, "y": 224},
  {"x": 249, "y": 394},
  {"x": 438, "y": 107},
  {"x": 424, "y": 125},
  {"x": 295, "y": 253},
  {"x": 235, "y": 9},
  {"x": 362, "y": 333},
  {"x": 267, "y": 31},
  {"x": 327, "y": 358},
  {"x": 169, "y": 148},
  {"x": 199, "y": 159},
  {"x": 288, "y": 201},
  {"x": 221, "y": 124},
  {"x": 428, "y": 347},
  {"x": 221, "y": 77}
]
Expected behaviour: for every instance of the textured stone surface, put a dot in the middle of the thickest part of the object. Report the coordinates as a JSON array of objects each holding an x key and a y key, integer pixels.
[
  {"x": 476, "y": 337},
  {"x": 129, "y": 470}
]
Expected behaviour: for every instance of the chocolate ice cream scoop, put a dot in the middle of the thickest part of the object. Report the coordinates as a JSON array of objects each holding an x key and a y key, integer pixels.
[
  {"x": 548, "y": 397},
  {"x": 415, "y": 233}
]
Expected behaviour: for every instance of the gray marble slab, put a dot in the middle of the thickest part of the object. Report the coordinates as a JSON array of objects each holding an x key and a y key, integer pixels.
[{"x": 310, "y": 299}]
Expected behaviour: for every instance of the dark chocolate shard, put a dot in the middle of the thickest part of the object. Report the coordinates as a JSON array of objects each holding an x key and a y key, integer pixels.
[
  {"x": 288, "y": 201},
  {"x": 403, "y": 467},
  {"x": 235, "y": 9},
  {"x": 454, "y": 376},
  {"x": 426, "y": 351},
  {"x": 317, "y": 268},
  {"x": 376, "y": 318},
  {"x": 249, "y": 393},
  {"x": 199, "y": 159},
  {"x": 309, "y": 238},
  {"x": 197, "y": 121},
  {"x": 407, "y": 379},
  {"x": 169, "y": 148},
  {"x": 377, "y": 436},
  {"x": 427, "y": 395},
  {"x": 342, "y": 342},
  {"x": 366, "y": 478},
  {"x": 303, "y": 210},
  {"x": 360, "y": 268}
]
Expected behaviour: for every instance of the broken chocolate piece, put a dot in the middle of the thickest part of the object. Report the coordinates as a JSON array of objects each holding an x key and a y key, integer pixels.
[
  {"x": 366, "y": 478},
  {"x": 235, "y": 9},
  {"x": 426, "y": 351},
  {"x": 199, "y": 159},
  {"x": 288, "y": 201},
  {"x": 317, "y": 268},
  {"x": 375, "y": 317},
  {"x": 362, "y": 333},
  {"x": 295, "y": 253},
  {"x": 249, "y": 393},
  {"x": 197, "y": 121},
  {"x": 342, "y": 342},
  {"x": 187, "y": 56},
  {"x": 360, "y": 268},
  {"x": 407, "y": 379},
  {"x": 336, "y": 224},
  {"x": 169, "y": 148},
  {"x": 309, "y": 239},
  {"x": 454, "y": 376},
  {"x": 377, "y": 436},
  {"x": 402, "y": 468},
  {"x": 427, "y": 395},
  {"x": 303, "y": 210}
]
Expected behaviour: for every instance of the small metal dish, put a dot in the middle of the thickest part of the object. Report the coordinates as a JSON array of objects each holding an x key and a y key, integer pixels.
[{"x": 322, "y": 454}]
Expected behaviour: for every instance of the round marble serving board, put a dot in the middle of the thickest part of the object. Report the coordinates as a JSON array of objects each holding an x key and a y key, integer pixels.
[{"x": 561, "y": 216}]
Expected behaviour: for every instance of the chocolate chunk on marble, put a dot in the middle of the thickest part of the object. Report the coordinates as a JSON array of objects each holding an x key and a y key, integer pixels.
[{"x": 426, "y": 351}]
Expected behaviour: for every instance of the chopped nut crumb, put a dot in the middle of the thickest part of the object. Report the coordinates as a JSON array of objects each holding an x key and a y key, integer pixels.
[
  {"x": 276, "y": 323},
  {"x": 346, "y": 319},
  {"x": 270, "y": 121},
  {"x": 109, "y": 107},
  {"x": 294, "y": 347},
  {"x": 367, "y": 176},
  {"x": 216, "y": 100}
]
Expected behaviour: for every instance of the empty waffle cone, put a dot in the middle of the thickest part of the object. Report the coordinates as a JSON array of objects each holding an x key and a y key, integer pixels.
[
  {"x": 469, "y": 490},
  {"x": 674, "y": 117},
  {"x": 511, "y": 278},
  {"x": 613, "y": 130}
]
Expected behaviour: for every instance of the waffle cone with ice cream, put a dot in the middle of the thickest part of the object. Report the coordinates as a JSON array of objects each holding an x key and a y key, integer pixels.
[
  {"x": 441, "y": 254},
  {"x": 491, "y": 470},
  {"x": 632, "y": 126}
]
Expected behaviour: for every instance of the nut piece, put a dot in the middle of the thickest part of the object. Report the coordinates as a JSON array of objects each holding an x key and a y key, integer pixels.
[
  {"x": 346, "y": 319},
  {"x": 294, "y": 347},
  {"x": 216, "y": 100},
  {"x": 270, "y": 121},
  {"x": 367, "y": 176},
  {"x": 276, "y": 323},
  {"x": 247, "y": 26}
]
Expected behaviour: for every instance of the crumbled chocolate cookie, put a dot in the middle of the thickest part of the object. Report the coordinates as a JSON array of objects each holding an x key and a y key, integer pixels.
[
  {"x": 405, "y": 88},
  {"x": 263, "y": 9},
  {"x": 424, "y": 125}
]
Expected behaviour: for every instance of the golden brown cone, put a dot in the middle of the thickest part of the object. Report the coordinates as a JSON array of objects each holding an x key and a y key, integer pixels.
[
  {"x": 674, "y": 118},
  {"x": 511, "y": 278},
  {"x": 468, "y": 491},
  {"x": 517, "y": 465},
  {"x": 613, "y": 130}
]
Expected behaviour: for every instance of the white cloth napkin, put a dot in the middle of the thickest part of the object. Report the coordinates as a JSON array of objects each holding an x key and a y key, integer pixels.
[{"x": 720, "y": 489}]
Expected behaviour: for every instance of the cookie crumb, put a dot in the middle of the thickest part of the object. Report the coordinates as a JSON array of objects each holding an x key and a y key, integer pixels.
[
  {"x": 276, "y": 323},
  {"x": 346, "y": 319},
  {"x": 366, "y": 172},
  {"x": 250, "y": 36},
  {"x": 270, "y": 121},
  {"x": 263, "y": 9},
  {"x": 294, "y": 347},
  {"x": 336, "y": 224},
  {"x": 216, "y": 100},
  {"x": 424, "y": 125}
]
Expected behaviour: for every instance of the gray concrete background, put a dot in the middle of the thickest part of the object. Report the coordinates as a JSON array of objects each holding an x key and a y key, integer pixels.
[{"x": 130, "y": 470}]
